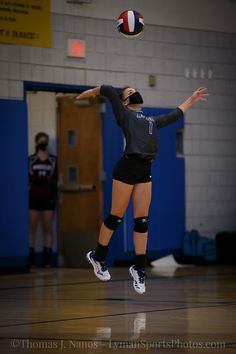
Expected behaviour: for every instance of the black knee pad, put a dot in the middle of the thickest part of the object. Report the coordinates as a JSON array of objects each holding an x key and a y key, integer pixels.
[
  {"x": 112, "y": 221},
  {"x": 141, "y": 224}
]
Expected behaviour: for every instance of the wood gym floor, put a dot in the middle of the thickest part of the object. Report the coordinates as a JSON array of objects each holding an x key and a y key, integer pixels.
[{"x": 190, "y": 310}]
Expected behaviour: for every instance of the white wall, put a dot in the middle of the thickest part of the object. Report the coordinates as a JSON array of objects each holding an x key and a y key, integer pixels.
[
  {"x": 213, "y": 15},
  {"x": 42, "y": 118},
  {"x": 181, "y": 59}
]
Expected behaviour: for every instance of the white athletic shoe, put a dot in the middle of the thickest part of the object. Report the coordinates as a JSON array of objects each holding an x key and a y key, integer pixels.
[
  {"x": 100, "y": 268},
  {"x": 139, "y": 279}
]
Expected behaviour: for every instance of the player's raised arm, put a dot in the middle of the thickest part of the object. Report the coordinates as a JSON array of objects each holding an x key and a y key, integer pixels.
[
  {"x": 89, "y": 93},
  {"x": 199, "y": 95}
]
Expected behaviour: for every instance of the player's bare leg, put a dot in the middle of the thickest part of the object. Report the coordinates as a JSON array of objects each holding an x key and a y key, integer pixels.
[
  {"x": 121, "y": 193},
  {"x": 141, "y": 198}
]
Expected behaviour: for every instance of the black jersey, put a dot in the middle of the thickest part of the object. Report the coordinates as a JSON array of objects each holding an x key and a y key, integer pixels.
[
  {"x": 43, "y": 177},
  {"x": 140, "y": 131}
]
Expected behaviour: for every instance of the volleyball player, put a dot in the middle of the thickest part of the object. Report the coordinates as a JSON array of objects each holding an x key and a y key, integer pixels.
[{"x": 132, "y": 175}]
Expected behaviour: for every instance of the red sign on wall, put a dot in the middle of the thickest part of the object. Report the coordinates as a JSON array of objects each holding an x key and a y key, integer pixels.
[{"x": 76, "y": 48}]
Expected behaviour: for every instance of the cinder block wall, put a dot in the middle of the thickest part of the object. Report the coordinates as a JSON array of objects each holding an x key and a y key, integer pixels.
[{"x": 181, "y": 59}]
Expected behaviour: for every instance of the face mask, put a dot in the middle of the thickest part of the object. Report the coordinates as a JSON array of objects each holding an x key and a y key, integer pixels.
[
  {"x": 135, "y": 98},
  {"x": 42, "y": 146}
]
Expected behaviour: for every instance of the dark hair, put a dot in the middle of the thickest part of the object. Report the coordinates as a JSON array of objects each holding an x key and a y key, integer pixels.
[
  {"x": 40, "y": 135},
  {"x": 122, "y": 91}
]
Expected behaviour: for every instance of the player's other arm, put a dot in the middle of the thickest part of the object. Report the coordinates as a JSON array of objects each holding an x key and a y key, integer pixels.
[
  {"x": 89, "y": 93},
  {"x": 166, "y": 119},
  {"x": 111, "y": 93}
]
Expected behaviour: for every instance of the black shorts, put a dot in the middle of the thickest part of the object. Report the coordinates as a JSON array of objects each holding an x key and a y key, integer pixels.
[
  {"x": 132, "y": 170},
  {"x": 41, "y": 204}
]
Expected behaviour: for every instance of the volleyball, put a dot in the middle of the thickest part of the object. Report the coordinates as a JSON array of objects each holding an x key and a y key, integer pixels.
[{"x": 130, "y": 23}]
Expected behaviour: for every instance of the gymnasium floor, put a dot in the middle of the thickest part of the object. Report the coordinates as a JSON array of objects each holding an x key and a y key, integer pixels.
[{"x": 70, "y": 311}]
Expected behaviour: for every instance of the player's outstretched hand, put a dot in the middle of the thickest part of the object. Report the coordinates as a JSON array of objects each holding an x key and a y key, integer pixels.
[{"x": 200, "y": 94}]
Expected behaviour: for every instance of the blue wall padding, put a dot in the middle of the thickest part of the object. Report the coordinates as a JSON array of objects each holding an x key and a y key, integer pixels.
[
  {"x": 167, "y": 212},
  {"x": 13, "y": 180}
]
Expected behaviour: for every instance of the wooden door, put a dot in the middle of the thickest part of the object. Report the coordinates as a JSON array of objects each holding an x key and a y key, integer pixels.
[{"x": 80, "y": 165}]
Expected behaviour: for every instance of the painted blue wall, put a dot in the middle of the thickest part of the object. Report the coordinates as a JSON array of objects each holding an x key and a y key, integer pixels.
[
  {"x": 13, "y": 183},
  {"x": 167, "y": 211}
]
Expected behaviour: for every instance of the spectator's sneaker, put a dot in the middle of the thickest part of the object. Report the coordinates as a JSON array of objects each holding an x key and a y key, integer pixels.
[
  {"x": 100, "y": 268},
  {"x": 139, "y": 279},
  {"x": 31, "y": 259},
  {"x": 47, "y": 257}
]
